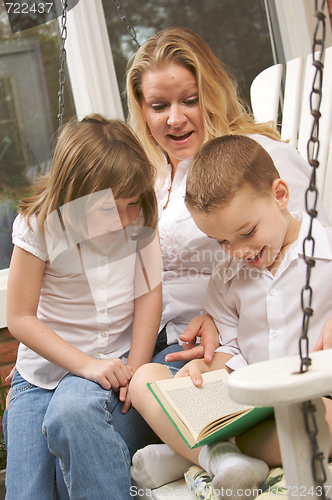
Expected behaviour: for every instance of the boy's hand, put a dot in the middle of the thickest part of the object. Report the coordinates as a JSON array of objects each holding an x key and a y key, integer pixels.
[
  {"x": 109, "y": 373},
  {"x": 194, "y": 370},
  {"x": 204, "y": 327},
  {"x": 196, "y": 367},
  {"x": 325, "y": 337}
]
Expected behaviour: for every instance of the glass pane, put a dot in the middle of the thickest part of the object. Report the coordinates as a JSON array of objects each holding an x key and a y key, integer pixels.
[
  {"x": 236, "y": 31},
  {"x": 29, "y": 84}
]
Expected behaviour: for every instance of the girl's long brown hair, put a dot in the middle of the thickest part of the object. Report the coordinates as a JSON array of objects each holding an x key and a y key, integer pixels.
[{"x": 90, "y": 156}]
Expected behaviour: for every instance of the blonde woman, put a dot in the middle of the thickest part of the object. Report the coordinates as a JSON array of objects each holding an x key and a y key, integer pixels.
[{"x": 179, "y": 97}]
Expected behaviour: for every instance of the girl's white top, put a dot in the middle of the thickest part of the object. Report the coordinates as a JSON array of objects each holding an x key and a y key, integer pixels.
[
  {"x": 88, "y": 301},
  {"x": 189, "y": 256}
]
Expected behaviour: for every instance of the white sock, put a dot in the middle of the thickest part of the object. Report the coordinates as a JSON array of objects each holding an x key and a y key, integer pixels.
[
  {"x": 234, "y": 474},
  {"x": 157, "y": 464}
]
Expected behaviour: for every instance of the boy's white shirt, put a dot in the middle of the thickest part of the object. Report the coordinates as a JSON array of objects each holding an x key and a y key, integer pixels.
[
  {"x": 189, "y": 256},
  {"x": 101, "y": 323},
  {"x": 259, "y": 315}
]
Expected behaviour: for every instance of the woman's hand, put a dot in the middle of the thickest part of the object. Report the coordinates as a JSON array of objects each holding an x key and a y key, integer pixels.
[
  {"x": 325, "y": 337},
  {"x": 201, "y": 326}
]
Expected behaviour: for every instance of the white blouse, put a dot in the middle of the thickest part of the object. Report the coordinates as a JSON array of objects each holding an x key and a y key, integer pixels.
[
  {"x": 189, "y": 256},
  {"x": 87, "y": 296}
]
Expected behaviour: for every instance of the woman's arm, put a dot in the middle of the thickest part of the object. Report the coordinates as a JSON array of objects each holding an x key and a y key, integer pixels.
[
  {"x": 201, "y": 326},
  {"x": 23, "y": 292}
]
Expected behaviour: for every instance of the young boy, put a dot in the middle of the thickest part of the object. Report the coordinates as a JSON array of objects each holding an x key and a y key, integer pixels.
[{"x": 235, "y": 195}]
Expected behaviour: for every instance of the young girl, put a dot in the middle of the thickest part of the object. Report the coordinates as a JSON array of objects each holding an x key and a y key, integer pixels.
[{"x": 84, "y": 300}]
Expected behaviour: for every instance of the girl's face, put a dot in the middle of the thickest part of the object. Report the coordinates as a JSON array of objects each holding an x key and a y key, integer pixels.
[
  {"x": 171, "y": 109},
  {"x": 106, "y": 220}
]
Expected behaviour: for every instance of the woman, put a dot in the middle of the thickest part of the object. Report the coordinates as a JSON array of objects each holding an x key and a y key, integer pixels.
[{"x": 179, "y": 97}]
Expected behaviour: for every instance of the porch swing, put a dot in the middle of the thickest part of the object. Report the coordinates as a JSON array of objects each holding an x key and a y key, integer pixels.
[{"x": 294, "y": 386}]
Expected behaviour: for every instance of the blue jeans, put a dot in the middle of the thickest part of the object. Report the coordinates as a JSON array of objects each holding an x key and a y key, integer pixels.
[{"x": 82, "y": 425}]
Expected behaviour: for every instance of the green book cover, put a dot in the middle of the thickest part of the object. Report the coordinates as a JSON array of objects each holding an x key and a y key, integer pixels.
[{"x": 205, "y": 414}]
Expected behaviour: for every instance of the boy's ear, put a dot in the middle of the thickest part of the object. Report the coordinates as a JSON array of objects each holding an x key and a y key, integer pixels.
[{"x": 280, "y": 192}]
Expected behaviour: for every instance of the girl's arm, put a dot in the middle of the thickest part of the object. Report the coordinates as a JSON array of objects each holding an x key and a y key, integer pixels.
[
  {"x": 148, "y": 308},
  {"x": 148, "y": 301},
  {"x": 146, "y": 324},
  {"x": 23, "y": 292}
]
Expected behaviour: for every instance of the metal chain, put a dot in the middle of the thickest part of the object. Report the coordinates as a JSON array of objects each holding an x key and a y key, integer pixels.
[
  {"x": 130, "y": 29},
  {"x": 63, "y": 58},
  {"x": 317, "y": 461},
  {"x": 311, "y": 197},
  {"x": 312, "y": 192}
]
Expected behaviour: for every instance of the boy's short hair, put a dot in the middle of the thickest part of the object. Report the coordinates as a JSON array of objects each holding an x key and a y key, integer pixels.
[{"x": 222, "y": 167}]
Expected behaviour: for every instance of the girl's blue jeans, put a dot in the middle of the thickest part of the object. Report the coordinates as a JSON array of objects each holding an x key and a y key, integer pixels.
[{"x": 80, "y": 423}]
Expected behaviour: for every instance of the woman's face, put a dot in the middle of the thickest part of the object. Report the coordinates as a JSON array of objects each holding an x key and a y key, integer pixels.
[{"x": 171, "y": 109}]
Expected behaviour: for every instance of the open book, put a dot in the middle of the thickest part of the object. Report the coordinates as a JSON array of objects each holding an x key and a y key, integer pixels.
[{"x": 205, "y": 414}]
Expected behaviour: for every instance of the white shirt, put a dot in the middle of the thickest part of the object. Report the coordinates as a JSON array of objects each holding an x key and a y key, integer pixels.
[
  {"x": 91, "y": 308},
  {"x": 259, "y": 315},
  {"x": 189, "y": 256}
]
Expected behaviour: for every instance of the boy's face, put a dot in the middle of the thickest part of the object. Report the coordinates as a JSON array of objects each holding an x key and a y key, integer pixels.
[{"x": 252, "y": 227}]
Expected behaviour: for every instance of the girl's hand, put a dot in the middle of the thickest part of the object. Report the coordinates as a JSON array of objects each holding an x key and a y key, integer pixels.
[
  {"x": 109, "y": 373},
  {"x": 125, "y": 398},
  {"x": 204, "y": 327},
  {"x": 9, "y": 379},
  {"x": 325, "y": 337},
  {"x": 124, "y": 395}
]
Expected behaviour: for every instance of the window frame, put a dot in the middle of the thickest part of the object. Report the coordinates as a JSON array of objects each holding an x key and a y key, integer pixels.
[{"x": 297, "y": 23}]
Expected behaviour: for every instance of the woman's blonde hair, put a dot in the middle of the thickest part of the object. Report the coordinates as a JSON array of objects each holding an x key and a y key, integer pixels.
[
  {"x": 94, "y": 155},
  {"x": 222, "y": 110}
]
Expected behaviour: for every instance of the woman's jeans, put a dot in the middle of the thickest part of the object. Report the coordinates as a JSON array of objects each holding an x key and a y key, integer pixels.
[{"x": 80, "y": 423}]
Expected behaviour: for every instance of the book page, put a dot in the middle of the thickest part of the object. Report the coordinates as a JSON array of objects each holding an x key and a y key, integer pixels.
[{"x": 198, "y": 406}]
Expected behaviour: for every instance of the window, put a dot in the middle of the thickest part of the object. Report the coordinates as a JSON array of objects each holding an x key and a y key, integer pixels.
[
  {"x": 29, "y": 84},
  {"x": 237, "y": 32}
]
